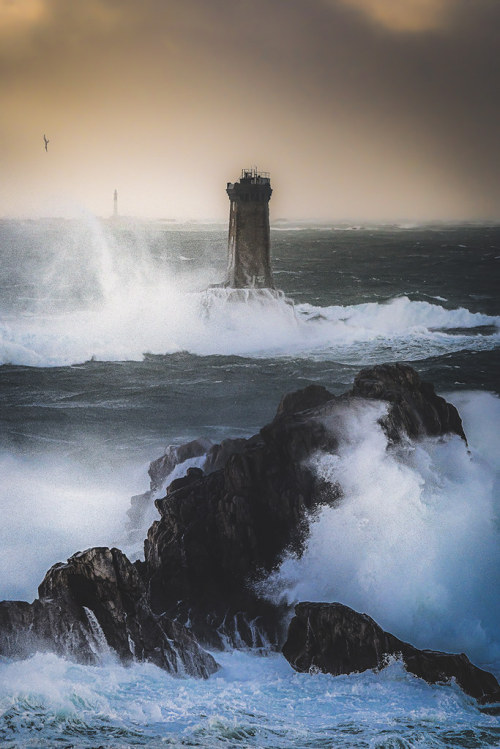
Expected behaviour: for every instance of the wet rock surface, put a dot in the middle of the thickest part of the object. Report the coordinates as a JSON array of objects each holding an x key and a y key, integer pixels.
[
  {"x": 93, "y": 604},
  {"x": 415, "y": 408},
  {"x": 174, "y": 455},
  {"x": 335, "y": 639},
  {"x": 219, "y": 534},
  {"x": 220, "y": 531}
]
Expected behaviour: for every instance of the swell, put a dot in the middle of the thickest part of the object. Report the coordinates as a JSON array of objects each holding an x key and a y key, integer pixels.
[{"x": 167, "y": 319}]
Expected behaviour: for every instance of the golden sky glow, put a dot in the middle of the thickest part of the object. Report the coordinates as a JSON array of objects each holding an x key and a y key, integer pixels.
[
  {"x": 19, "y": 13},
  {"x": 414, "y": 16},
  {"x": 360, "y": 109}
]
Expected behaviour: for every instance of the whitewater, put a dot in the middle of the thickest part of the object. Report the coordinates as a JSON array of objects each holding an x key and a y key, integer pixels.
[{"x": 112, "y": 348}]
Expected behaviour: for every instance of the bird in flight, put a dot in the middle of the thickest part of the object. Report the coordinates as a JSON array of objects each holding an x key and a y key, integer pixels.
[{"x": 46, "y": 141}]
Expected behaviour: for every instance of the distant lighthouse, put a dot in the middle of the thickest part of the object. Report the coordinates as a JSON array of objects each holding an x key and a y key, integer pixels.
[
  {"x": 115, "y": 204},
  {"x": 249, "y": 241}
]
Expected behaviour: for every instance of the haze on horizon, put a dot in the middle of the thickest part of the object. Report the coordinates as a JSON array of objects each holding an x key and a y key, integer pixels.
[{"x": 361, "y": 109}]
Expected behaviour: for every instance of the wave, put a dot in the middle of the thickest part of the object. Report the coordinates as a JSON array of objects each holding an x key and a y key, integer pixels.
[
  {"x": 168, "y": 319},
  {"x": 86, "y": 290},
  {"x": 252, "y": 701},
  {"x": 414, "y": 542}
]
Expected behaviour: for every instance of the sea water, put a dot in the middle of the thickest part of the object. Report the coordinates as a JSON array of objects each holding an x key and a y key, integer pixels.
[{"x": 111, "y": 349}]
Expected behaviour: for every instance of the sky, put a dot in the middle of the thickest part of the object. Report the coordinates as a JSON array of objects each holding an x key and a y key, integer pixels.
[{"x": 366, "y": 110}]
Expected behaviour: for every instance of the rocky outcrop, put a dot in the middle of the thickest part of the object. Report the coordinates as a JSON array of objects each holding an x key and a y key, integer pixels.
[
  {"x": 333, "y": 638},
  {"x": 219, "y": 454},
  {"x": 309, "y": 397},
  {"x": 415, "y": 408},
  {"x": 160, "y": 469},
  {"x": 93, "y": 605},
  {"x": 48, "y": 626},
  {"x": 220, "y": 531},
  {"x": 219, "y": 534}
]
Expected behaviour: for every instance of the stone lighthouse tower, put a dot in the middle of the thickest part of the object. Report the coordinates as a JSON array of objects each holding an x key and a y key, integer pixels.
[{"x": 249, "y": 245}]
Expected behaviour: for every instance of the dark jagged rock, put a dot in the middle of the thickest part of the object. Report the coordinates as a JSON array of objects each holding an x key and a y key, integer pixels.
[
  {"x": 218, "y": 455},
  {"x": 335, "y": 639},
  {"x": 217, "y": 534},
  {"x": 309, "y": 397},
  {"x": 160, "y": 469},
  {"x": 229, "y": 528},
  {"x": 28, "y": 628},
  {"x": 192, "y": 475},
  {"x": 416, "y": 409},
  {"x": 93, "y": 603}
]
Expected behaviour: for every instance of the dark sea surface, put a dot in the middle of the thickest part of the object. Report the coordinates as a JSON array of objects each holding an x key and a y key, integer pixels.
[{"x": 111, "y": 348}]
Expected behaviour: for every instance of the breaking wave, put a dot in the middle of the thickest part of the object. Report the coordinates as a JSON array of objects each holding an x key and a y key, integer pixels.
[
  {"x": 134, "y": 322},
  {"x": 414, "y": 542},
  {"x": 252, "y": 702},
  {"x": 85, "y": 290}
]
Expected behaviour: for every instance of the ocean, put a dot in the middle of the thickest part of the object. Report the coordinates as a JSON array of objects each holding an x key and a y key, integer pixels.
[{"x": 111, "y": 348}]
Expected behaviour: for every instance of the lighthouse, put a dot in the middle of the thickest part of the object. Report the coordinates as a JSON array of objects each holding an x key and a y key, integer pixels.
[
  {"x": 249, "y": 243},
  {"x": 115, "y": 204}
]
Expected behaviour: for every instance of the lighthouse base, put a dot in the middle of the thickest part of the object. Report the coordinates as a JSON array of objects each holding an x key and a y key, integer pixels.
[{"x": 216, "y": 297}]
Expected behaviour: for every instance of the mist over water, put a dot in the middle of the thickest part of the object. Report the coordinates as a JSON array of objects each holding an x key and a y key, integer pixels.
[
  {"x": 112, "y": 349},
  {"x": 54, "y": 505},
  {"x": 94, "y": 291}
]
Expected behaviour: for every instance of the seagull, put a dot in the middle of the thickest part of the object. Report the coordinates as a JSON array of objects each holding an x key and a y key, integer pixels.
[{"x": 46, "y": 141}]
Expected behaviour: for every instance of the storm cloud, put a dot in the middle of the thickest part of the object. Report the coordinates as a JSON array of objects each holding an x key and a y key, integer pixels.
[{"x": 360, "y": 109}]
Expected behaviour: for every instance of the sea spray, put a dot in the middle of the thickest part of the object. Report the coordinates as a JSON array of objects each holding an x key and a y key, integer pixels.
[
  {"x": 167, "y": 319},
  {"x": 55, "y": 506},
  {"x": 96, "y": 637},
  {"x": 413, "y": 542},
  {"x": 356, "y": 293},
  {"x": 82, "y": 290},
  {"x": 252, "y": 701}
]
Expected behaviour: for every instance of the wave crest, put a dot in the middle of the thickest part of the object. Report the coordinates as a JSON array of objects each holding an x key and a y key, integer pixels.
[{"x": 168, "y": 319}]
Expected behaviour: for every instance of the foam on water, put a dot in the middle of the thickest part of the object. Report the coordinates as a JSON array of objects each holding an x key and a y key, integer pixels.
[
  {"x": 414, "y": 542},
  {"x": 167, "y": 320},
  {"x": 91, "y": 293},
  {"x": 251, "y": 702}
]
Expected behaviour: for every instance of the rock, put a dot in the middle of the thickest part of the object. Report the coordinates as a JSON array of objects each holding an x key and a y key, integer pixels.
[
  {"x": 192, "y": 475},
  {"x": 303, "y": 400},
  {"x": 416, "y": 410},
  {"x": 47, "y": 626},
  {"x": 337, "y": 640},
  {"x": 218, "y": 534},
  {"x": 94, "y": 603},
  {"x": 230, "y": 528},
  {"x": 160, "y": 469},
  {"x": 218, "y": 455}
]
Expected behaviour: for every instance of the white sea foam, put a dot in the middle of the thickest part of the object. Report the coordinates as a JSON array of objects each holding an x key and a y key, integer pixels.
[
  {"x": 103, "y": 295},
  {"x": 414, "y": 542},
  {"x": 252, "y": 701},
  {"x": 167, "y": 319}
]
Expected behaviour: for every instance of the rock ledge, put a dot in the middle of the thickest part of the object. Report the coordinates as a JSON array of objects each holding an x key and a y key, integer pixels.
[{"x": 335, "y": 639}]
